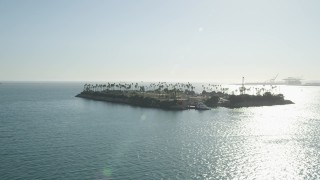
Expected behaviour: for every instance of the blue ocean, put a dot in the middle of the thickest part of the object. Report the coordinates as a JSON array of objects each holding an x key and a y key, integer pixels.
[{"x": 48, "y": 133}]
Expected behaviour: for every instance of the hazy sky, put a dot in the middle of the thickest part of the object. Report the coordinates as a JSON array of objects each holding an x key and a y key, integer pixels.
[{"x": 149, "y": 40}]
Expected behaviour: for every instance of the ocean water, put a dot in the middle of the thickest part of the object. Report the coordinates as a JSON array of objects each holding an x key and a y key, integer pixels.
[{"x": 47, "y": 133}]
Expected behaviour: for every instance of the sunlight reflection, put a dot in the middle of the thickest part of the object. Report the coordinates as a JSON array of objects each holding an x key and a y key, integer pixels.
[
  {"x": 271, "y": 121},
  {"x": 276, "y": 158},
  {"x": 274, "y": 149}
]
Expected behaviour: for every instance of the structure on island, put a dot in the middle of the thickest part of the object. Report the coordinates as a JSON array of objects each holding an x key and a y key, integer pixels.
[{"x": 180, "y": 96}]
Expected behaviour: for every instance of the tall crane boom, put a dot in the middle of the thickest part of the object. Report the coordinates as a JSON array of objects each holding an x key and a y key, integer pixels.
[{"x": 272, "y": 80}]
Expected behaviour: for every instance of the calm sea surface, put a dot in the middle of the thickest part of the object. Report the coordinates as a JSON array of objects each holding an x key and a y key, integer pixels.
[{"x": 47, "y": 133}]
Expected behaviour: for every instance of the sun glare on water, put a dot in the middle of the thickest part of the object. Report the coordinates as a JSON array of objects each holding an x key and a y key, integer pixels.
[{"x": 275, "y": 147}]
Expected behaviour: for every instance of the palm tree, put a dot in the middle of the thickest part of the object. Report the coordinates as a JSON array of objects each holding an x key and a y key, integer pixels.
[{"x": 142, "y": 88}]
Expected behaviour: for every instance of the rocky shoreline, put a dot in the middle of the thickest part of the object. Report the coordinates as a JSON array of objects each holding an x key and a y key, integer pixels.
[{"x": 145, "y": 102}]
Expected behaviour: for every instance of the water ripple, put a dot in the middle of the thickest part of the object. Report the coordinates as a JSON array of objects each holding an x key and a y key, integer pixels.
[{"x": 49, "y": 134}]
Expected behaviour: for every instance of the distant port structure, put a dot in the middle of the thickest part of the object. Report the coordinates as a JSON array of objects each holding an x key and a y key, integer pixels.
[
  {"x": 293, "y": 81},
  {"x": 286, "y": 81},
  {"x": 272, "y": 80}
]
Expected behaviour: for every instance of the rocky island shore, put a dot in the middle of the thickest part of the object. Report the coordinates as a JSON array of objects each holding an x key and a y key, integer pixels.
[{"x": 178, "y": 96}]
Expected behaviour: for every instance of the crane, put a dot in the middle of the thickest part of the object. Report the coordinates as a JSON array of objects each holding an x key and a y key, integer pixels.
[{"x": 272, "y": 80}]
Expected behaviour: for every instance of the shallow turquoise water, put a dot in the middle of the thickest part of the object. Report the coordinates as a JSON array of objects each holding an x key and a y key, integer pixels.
[{"x": 47, "y": 133}]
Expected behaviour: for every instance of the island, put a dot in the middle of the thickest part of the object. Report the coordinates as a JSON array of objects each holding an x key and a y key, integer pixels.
[{"x": 181, "y": 96}]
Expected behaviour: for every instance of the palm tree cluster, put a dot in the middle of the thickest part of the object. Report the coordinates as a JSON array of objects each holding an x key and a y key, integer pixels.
[
  {"x": 110, "y": 87},
  {"x": 215, "y": 88},
  {"x": 151, "y": 88},
  {"x": 257, "y": 90},
  {"x": 172, "y": 90}
]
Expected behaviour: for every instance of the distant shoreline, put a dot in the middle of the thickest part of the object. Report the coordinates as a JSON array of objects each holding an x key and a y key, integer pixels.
[{"x": 280, "y": 84}]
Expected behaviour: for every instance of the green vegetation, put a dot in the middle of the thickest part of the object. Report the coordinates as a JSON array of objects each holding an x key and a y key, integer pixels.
[
  {"x": 212, "y": 101},
  {"x": 181, "y": 95},
  {"x": 267, "y": 99},
  {"x": 133, "y": 98},
  {"x": 252, "y": 98}
]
